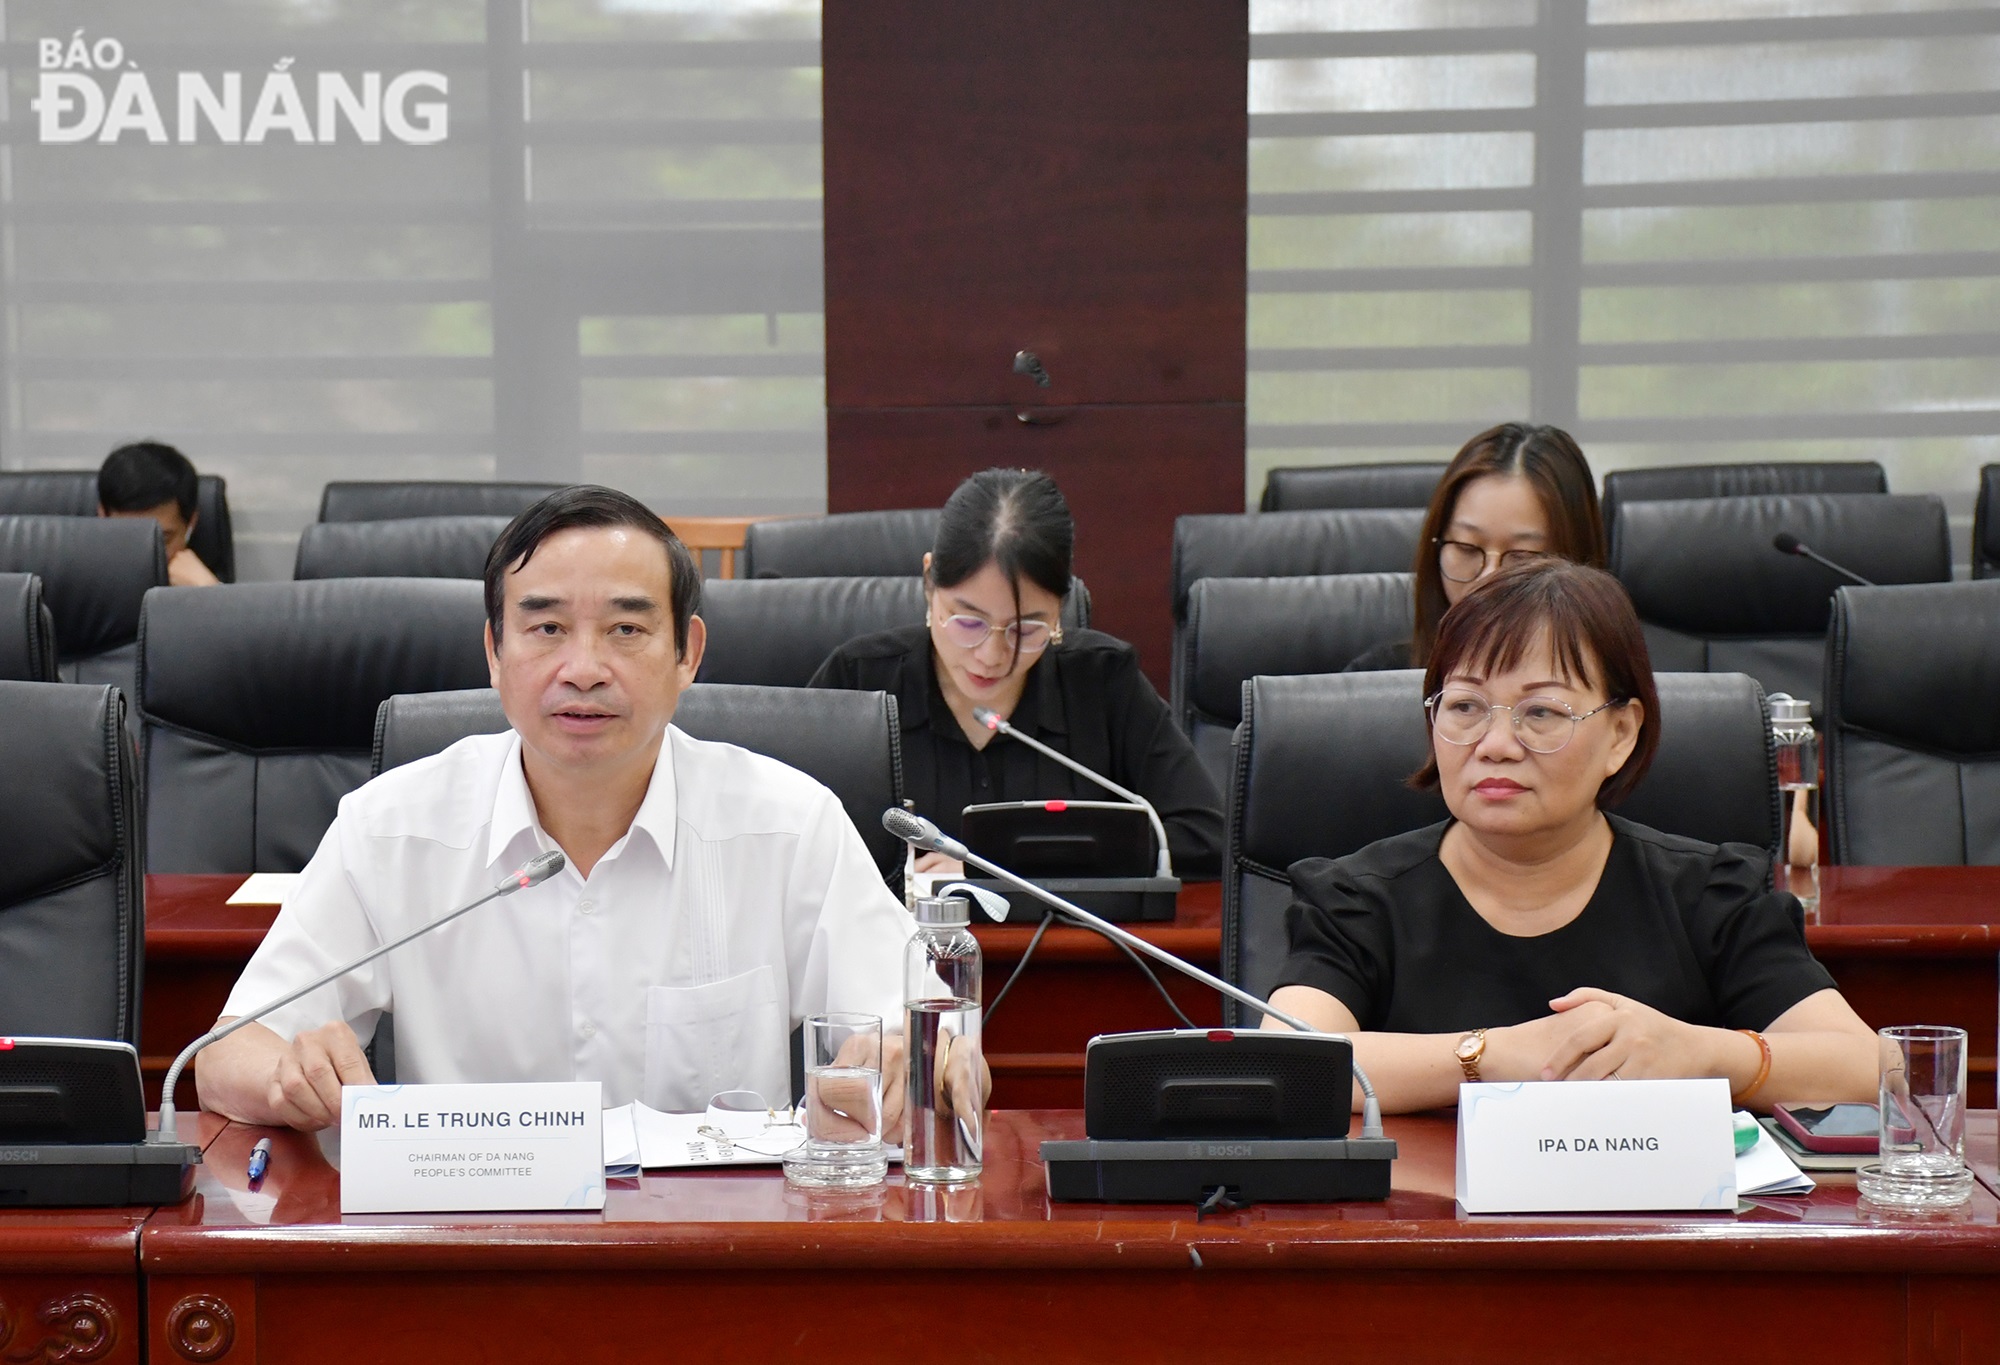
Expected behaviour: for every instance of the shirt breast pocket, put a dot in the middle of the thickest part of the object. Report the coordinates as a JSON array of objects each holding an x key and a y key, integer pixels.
[{"x": 726, "y": 1035}]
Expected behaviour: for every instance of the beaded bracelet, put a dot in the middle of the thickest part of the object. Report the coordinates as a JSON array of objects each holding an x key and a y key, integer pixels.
[{"x": 1742, "y": 1097}]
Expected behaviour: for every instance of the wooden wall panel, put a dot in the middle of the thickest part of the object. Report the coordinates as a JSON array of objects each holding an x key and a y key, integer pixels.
[
  {"x": 1127, "y": 471},
  {"x": 1050, "y": 176}
]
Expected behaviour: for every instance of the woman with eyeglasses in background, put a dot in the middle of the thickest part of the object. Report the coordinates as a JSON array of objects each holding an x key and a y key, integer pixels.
[
  {"x": 1512, "y": 494},
  {"x": 994, "y": 584},
  {"x": 1534, "y": 936}
]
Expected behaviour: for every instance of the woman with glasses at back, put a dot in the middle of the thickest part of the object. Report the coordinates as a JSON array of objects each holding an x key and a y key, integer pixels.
[
  {"x": 994, "y": 584},
  {"x": 1513, "y": 493},
  {"x": 1533, "y": 936}
]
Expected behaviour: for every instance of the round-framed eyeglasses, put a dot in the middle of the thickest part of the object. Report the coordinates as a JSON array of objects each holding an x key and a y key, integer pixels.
[
  {"x": 1543, "y": 725},
  {"x": 1023, "y": 637},
  {"x": 742, "y": 1119},
  {"x": 1462, "y": 562}
]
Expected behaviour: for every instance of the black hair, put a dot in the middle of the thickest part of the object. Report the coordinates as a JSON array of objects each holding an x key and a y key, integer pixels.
[
  {"x": 587, "y": 505},
  {"x": 1015, "y": 519},
  {"x": 141, "y": 476}
]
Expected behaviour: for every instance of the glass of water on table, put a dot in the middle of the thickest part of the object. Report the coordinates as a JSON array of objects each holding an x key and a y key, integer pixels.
[{"x": 843, "y": 1111}]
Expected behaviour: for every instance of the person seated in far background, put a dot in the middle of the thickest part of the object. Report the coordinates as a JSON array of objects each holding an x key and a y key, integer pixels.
[
  {"x": 1534, "y": 937},
  {"x": 1513, "y": 493},
  {"x": 149, "y": 479},
  {"x": 994, "y": 583}
]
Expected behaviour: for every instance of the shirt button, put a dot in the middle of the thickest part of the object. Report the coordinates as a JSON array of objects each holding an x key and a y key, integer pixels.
[
  {"x": 588, "y": 1030},
  {"x": 586, "y": 906}
]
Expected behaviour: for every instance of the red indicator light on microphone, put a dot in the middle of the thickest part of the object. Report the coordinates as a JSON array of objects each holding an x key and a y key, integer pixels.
[
  {"x": 6, "y": 1044},
  {"x": 1221, "y": 1035},
  {"x": 1057, "y": 806}
]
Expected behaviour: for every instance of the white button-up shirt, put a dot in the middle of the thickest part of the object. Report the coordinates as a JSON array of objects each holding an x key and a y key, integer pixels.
[{"x": 740, "y": 901}]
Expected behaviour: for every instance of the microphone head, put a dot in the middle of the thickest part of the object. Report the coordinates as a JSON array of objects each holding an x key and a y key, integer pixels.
[
  {"x": 1786, "y": 542},
  {"x": 988, "y": 717},
  {"x": 539, "y": 869},
  {"x": 911, "y": 829}
]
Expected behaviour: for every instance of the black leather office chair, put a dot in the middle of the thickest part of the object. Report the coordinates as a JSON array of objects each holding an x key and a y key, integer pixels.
[
  {"x": 1913, "y": 729},
  {"x": 72, "y": 908},
  {"x": 776, "y": 632},
  {"x": 95, "y": 572},
  {"x": 259, "y": 703},
  {"x": 1986, "y": 524},
  {"x": 27, "y": 631},
  {"x": 395, "y": 499},
  {"x": 850, "y": 741},
  {"x": 1716, "y": 597},
  {"x": 1239, "y": 628},
  {"x": 1667, "y": 483},
  {"x": 1321, "y": 763},
  {"x": 846, "y": 545},
  {"x": 1284, "y": 545},
  {"x": 410, "y": 547},
  {"x": 73, "y": 493},
  {"x": 1301, "y": 488}
]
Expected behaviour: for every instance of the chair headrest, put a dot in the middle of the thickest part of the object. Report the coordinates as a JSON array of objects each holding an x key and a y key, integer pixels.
[
  {"x": 1986, "y": 516},
  {"x": 778, "y": 631},
  {"x": 65, "y": 740},
  {"x": 1920, "y": 664},
  {"x": 1292, "y": 545},
  {"x": 1241, "y": 627},
  {"x": 94, "y": 570},
  {"x": 1301, "y": 487},
  {"x": 889, "y": 544},
  {"x": 410, "y": 547},
  {"x": 48, "y": 493},
  {"x": 1706, "y": 566},
  {"x": 303, "y": 666},
  {"x": 1668, "y": 482},
  {"x": 392, "y": 500}
]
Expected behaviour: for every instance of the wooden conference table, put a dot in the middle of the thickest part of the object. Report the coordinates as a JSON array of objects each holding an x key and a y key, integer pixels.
[
  {"x": 716, "y": 1267},
  {"x": 1907, "y": 945}
]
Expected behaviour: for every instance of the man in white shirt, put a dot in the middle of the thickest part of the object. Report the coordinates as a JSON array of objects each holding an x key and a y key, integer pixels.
[{"x": 712, "y": 897}]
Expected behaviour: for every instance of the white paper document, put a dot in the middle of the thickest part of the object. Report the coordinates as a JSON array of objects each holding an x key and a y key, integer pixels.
[
  {"x": 636, "y": 1136},
  {"x": 264, "y": 888},
  {"x": 1768, "y": 1168}
]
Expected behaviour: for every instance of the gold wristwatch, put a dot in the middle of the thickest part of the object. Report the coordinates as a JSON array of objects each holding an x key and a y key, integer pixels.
[{"x": 1469, "y": 1050}]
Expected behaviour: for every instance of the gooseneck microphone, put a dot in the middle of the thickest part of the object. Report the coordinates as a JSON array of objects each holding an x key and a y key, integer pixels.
[
  {"x": 1790, "y": 544},
  {"x": 993, "y": 721},
  {"x": 536, "y": 870},
  {"x": 921, "y": 833}
]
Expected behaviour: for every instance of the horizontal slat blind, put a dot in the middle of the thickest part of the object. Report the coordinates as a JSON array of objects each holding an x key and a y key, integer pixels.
[{"x": 1687, "y": 230}]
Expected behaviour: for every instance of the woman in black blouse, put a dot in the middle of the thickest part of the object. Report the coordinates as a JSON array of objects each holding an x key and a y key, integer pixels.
[
  {"x": 1534, "y": 937},
  {"x": 994, "y": 586}
]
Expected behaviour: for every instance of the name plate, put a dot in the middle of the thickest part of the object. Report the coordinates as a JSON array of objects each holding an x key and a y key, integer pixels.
[
  {"x": 1595, "y": 1147},
  {"x": 471, "y": 1148}
]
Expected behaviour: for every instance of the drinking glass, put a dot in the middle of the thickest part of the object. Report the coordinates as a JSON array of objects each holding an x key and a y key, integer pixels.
[
  {"x": 1922, "y": 1162},
  {"x": 843, "y": 1111}
]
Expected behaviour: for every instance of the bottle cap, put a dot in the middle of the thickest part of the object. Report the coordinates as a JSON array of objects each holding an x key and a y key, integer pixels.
[
  {"x": 1787, "y": 709},
  {"x": 942, "y": 910}
]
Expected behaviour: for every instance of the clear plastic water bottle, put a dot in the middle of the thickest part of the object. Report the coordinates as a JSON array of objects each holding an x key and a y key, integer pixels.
[
  {"x": 943, "y": 1117},
  {"x": 1797, "y": 744}
]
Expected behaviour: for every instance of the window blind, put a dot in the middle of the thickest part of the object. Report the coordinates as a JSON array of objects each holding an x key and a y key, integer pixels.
[{"x": 1686, "y": 230}]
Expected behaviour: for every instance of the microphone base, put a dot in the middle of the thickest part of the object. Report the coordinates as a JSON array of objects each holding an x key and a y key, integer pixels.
[
  {"x": 1254, "y": 1171},
  {"x": 1122, "y": 900},
  {"x": 95, "y": 1175}
]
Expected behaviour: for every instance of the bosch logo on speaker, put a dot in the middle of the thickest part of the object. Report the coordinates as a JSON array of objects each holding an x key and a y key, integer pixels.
[{"x": 92, "y": 90}]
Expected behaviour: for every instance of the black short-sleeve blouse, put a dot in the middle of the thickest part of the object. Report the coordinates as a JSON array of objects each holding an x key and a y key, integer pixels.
[{"x": 1691, "y": 929}]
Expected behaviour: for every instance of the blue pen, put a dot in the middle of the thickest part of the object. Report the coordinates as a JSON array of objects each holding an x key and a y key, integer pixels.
[{"x": 260, "y": 1158}]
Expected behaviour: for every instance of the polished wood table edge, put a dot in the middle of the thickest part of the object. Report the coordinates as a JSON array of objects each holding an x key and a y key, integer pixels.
[
  {"x": 87, "y": 1241},
  {"x": 1818, "y": 1233}
]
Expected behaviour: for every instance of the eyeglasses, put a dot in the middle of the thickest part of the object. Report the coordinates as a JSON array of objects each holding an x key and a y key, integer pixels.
[
  {"x": 742, "y": 1118},
  {"x": 1542, "y": 724},
  {"x": 1023, "y": 637},
  {"x": 1462, "y": 563}
]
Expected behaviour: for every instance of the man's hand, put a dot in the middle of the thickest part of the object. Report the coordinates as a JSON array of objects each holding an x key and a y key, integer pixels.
[
  {"x": 185, "y": 570},
  {"x": 304, "y": 1087},
  {"x": 939, "y": 862}
]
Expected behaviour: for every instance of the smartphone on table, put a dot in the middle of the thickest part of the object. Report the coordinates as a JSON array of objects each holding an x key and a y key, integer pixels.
[{"x": 1831, "y": 1127}]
